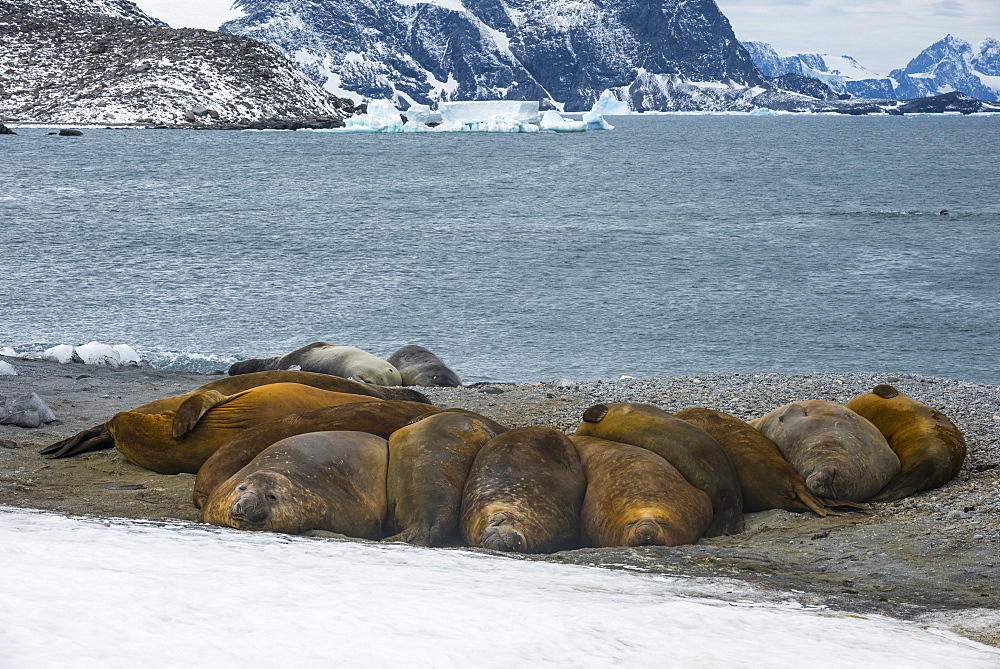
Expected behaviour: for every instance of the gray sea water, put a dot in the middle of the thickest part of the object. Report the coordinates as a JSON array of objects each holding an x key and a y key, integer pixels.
[{"x": 671, "y": 245}]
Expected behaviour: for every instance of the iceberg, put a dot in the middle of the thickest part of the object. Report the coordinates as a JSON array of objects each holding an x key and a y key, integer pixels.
[
  {"x": 553, "y": 120},
  {"x": 7, "y": 369},
  {"x": 485, "y": 111},
  {"x": 417, "y": 116},
  {"x": 763, "y": 111},
  {"x": 607, "y": 104},
  {"x": 381, "y": 116}
]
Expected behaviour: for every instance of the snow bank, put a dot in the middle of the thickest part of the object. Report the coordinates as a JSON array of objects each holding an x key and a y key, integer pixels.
[
  {"x": 98, "y": 593},
  {"x": 7, "y": 369}
]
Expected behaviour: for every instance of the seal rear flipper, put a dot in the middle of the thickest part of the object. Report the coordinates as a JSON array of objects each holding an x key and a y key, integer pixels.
[
  {"x": 190, "y": 412},
  {"x": 809, "y": 500},
  {"x": 897, "y": 489},
  {"x": 255, "y": 365},
  {"x": 844, "y": 505},
  {"x": 412, "y": 536},
  {"x": 95, "y": 439}
]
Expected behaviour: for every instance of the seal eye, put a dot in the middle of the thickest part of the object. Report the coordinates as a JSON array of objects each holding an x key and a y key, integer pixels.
[
  {"x": 242, "y": 488},
  {"x": 271, "y": 497}
]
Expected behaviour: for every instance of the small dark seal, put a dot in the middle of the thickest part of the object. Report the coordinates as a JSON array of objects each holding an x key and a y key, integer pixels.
[
  {"x": 943, "y": 212},
  {"x": 4, "y": 130}
]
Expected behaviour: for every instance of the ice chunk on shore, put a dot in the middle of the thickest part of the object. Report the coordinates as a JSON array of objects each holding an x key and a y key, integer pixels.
[
  {"x": 8, "y": 351},
  {"x": 606, "y": 104},
  {"x": 7, "y": 369},
  {"x": 553, "y": 120},
  {"x": 64, "y": 353},
  {"x": 127, "y": 355},
  {"x": 96, "y": 353}
]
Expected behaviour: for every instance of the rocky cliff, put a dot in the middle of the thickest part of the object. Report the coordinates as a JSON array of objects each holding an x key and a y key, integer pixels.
[{"x": 105, "y": 61}]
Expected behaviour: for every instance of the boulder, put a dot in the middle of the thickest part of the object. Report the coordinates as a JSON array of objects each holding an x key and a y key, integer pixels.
[{"x": 4, "y": 130}]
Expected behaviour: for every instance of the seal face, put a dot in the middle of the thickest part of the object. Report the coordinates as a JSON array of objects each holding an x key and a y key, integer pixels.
[
  {"x": 420, "y": 367},
  {"x": 326, "y": 358},
  {"x": 524, "y": 493},
  {"x": 930, "y": 448},
  {"x": 332, "y": 481},
  {"x": 695, "y": 454},
  {"x": 147, "y": 439},
  {"x": 839, "y": 454},
  {"x": 429, "y": 461},
  {"x": 766, "y": 479},
  {"x": 378, "y": 418},
  {"x": 636, "y": 498}
]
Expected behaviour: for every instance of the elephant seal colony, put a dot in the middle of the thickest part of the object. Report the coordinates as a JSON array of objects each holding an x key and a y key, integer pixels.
[{"x": 923, "y": 550}]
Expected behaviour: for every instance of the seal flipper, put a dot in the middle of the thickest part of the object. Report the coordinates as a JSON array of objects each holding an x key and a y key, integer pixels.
[
  {"x": 193, "y": 408},
  {"x": 805, "y": 496},
  {"x": 843, "y": 505},
  {"x": 95, "y": 439}
]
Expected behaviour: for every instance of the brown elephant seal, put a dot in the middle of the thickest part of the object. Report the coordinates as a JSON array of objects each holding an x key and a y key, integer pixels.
[
  {"x": 696, "y": 455},
  {"x": 930, "y": 448},
  {"x": 429, "y": 461},
  {"x": 420, "y": 367},
  {"x": 325, "y": 358},
  {"x": 839, "y": 454},
  {"x": 146, "y": 439},
  {"x": 332, "y": 481},
  {"x": 636, "y": 498},
  {"x": 766, "y": 478},
  {"x": 524, "y": 493},
  {"x": 189, "y": 407},
  {"x": 378, "y": 418}
]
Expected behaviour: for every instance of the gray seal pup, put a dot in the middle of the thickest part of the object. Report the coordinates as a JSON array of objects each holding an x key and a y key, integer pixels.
[
  {"x": 840, "y": 454},
  {"x": 326, "y": 358},
  {"x": 420, "y": 367}
]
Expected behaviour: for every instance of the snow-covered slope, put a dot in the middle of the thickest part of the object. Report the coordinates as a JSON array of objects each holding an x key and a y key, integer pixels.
[
  {"x": 951, "y": 64},
  {"x": 105, "y": 61},
  {"x": 657, "y": 54}
]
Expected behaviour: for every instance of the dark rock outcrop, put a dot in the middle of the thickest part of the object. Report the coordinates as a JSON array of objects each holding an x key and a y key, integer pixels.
[{"x": 4, "y": 130}]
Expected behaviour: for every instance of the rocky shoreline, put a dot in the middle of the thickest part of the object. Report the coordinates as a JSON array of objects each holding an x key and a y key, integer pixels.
[{"x": 934, "y": 556}]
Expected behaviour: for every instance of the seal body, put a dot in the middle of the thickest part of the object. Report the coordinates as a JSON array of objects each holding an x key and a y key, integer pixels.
[
  {"x": 839, "y": 454},
  {"x": 147, "y": 439},
  {"x": 332, "y": 481},
  {"x": 636, "y": 498},
  {"x": 930, "y": 448},
  {"x": 695, "y": 454},
  {"x": 429, "y": 461},
  {"x": 377, "y": 417},
  {"x": 524, "y": 493},
  {"x": 325, "y": 358},
  {"x": 766, "y": 479},
  {"x": 420, "y": 367}
]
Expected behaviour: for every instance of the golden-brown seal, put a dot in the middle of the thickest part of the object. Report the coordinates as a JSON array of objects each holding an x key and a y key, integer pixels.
[
  {"x": 429, "y": 461},
  {"x": 147, "y": 439},
  {"x": 378, "y": 418},
  {"x": 695, "y": 454},
  {"x": 636, "y": 498},
  {"x": 840, "y": 454},
  {"x": 766, "y": 478},
  {"x": 929, "y": 446},
  {"x": 326, "y": 358},
  {"x": 332, "y": 481},
  {"x": 524, "y": 493}
]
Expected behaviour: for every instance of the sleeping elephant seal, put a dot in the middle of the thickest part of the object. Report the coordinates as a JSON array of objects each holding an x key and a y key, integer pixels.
[
  {"x": 696, "y": 455},
  {"x": 766, "y": 478},
  {"x": 148, "y": 440},
  {"x": 419, "y": 367},
  {"x": 378, "y": 418},
  {"x": 429, "y": 460},
  {"x": 636, "y": 498},
  {"x": 929, "y": 446},
  {"x": 332, "y": 481},
  {"x": 840, "y": 454},
  {"x": 325, "y": 358},
  {"x": 524, "y": 493},
  {"x": 190, "y": 407}
]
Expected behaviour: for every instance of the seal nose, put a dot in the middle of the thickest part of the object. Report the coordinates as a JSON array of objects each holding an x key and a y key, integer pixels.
[
  {"x": 821, "y": 482},
  {"x": 644, "y": 533},
  {"x": 501, "y": 536},
  {"x": 248, "y": 508}
]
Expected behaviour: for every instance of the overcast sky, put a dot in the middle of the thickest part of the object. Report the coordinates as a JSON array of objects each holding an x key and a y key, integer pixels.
[{"x": 881, "y": 34}]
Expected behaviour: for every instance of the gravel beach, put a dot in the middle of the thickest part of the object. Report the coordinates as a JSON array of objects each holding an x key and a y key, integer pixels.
[{"x": 934, "y": 556}]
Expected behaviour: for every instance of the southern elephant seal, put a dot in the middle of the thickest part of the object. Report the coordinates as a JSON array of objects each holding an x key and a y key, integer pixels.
[
  {"x": 332, "y": 481},
  {"x": 839, "y": 454},
  {"x": 378, "y": 418},
  {"x": 766, "y": 478},
  {"x": 325, "y": 358},
  {"x": 420, "y": 367},
  {"x": 189, "y": 407},
  {"x": 524, "y": 493},
  {"x": 696, "y": 455},
  {"x": 429, "y": 461},
  {"x": 147, "y": 439},
  {"x": 636, "y": 498},
  {"x": 929, "y": 446}
]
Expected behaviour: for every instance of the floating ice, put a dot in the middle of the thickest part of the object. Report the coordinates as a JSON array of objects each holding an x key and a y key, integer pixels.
[
  {"x": 483, "y": 111},
  {"x": 62, "y": 354},
  {"x": 763, "y": 111},
  {"x": 606, "y": 104},
  {"x": 553, "y": 120},
  {"x": 8, "y": 351},
  {"x": 381, "y": 116},
  {"x": 7, "y": 369},
  {"x": 418, "y": 115}
]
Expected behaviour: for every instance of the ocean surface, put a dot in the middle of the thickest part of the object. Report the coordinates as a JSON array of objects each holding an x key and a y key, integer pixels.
[{"x": 672, "y": 245}]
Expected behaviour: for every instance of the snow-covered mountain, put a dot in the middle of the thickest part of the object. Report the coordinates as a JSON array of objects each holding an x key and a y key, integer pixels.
[
  {"x": 951, "y": 64},
  {"x": 657, "y": 54},
  {"x": 105, "y": 61}
]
